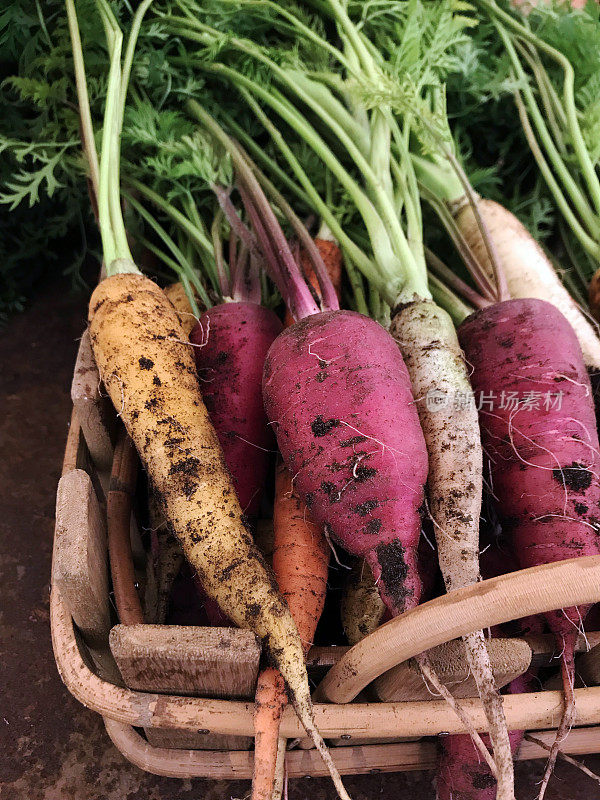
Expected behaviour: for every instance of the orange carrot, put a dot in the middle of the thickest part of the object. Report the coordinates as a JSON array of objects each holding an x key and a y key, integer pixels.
[
  {"x": 300, "y": 557},
  {"x": 332, "y": 257},
  {"x": 271, "y": 700},
  {"x": 300, "y": 563}
]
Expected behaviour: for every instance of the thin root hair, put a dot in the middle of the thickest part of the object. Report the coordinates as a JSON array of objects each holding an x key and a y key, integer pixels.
[
  {"x": 569, "y": 759},
  {"x": 430, "y": 676},
  {"x": 257, "y": 446},
  {"x": 430, "y": 543},
  {"x": 183, "y": 341},
  {"x": 333, "y": 549}
]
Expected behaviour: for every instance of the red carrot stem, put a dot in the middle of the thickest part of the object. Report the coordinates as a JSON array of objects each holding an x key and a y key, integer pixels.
[
  {"x": 287, "y": 276},
  {"x": 302, "y": 303},
  {"x": 330, "y": 300},
  {"x": 279, "y": 260},
  {"x": 244, "y": 234},
  {"x": 289, "y": 268},
  {"x": 502, "y": 292},
  {"x": 246, "y": 285},
  {"x": 266, "y": 245},
  {"x": 437, "y": 266},
  {"x": 233, "y": 254},
  {"x": 245, "y": 273}
]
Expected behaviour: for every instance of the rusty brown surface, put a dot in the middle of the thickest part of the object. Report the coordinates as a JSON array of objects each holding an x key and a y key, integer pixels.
[{"x": 51, "y": 748}]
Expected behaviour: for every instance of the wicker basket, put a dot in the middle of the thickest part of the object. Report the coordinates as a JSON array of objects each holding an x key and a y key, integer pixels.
[{"x": 88, "y": 669}]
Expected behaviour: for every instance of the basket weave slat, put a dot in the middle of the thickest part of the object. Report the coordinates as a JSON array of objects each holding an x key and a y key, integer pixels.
[{"x": 299, "y": 763}]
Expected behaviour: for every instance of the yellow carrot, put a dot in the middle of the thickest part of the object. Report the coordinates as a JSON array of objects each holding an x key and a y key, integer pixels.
[{"x": 148, "y": 369}]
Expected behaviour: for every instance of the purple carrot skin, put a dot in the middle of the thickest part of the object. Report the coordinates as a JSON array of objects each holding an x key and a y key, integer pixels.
[
  {"x": 544, "y": 458},
  {"x": 461, "y": 772},
  {"x": 232, "y": 341},
  {"x": 337, "y": 376},
  {"x": 339, "y": 396}
]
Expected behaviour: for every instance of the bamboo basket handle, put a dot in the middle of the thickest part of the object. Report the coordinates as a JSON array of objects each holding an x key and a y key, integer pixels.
[
  {"x": 118, "y": 513},
  {"x": 481, "y": 605},
  {"x": 237, "y": 764}
]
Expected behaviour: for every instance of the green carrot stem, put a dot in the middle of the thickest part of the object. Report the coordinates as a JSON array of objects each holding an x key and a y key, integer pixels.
[
  {"x": 447, "y": 300},
  {"x": 166, "y": 259},
  {"x": 573, "y": 287},
  {"x": 87, "y": 128},
  {"x": 181, "y": 220},
  {"x": 367, "y": 267},
  {"x": 353, "y": 37},
  {"x": 185, "y": 266},
  {"x": 583, "y": 156},
  {"x": 223, "y": 277},
  {"x": 356, "y": 284},
  {"x": 587, "y": 242},
  {"x": 582, "y": 275},
  {"x": 110, "y": 165},
  {"x": 388, "y": 223},
  {"x": 406, "y": 181},
  {"x": 129, "y": 53},
  {"x": 441, "y": 208},
  {"x": 501, "y": 285},
  {"x": 187, "y": 248},
  {"x": 296, "y": 23},
  {"x": 334, "y": 110},
  {"x": 374, "y": 302},
  {"x": 306, "y": 31},
  {"x": 544, "y": 88},
  {"x": 258, "y": 154},
  {"x": 205, "y": 256},
  {"x": 376, "y": 181},
  {"x": 393, "y": 271},
  {"x": 558, "y": 164},
  {"x": 380, "y": 150},
  {"x": 374, "y": 169},
  {"x": 441, "y": 182},
  {"x": 109, "y": 244},
  {"x": 189, "y": 293}
]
